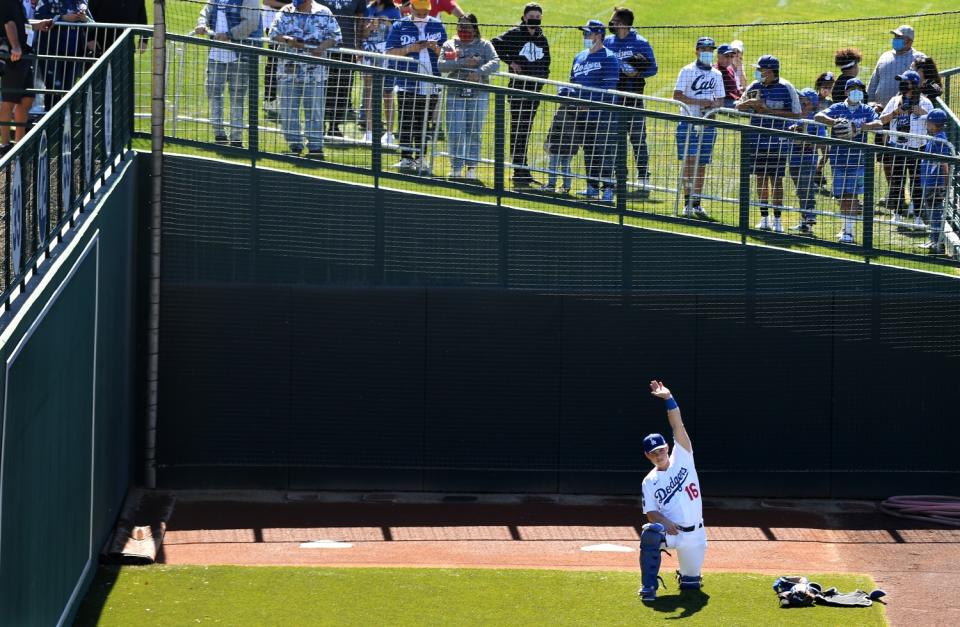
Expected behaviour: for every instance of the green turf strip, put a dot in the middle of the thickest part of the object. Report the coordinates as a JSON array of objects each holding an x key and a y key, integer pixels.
[{"x": 235, "y": 595}]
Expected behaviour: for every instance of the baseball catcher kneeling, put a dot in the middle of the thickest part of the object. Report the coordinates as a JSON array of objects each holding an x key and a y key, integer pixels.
[{"x": 672, "y": 503}]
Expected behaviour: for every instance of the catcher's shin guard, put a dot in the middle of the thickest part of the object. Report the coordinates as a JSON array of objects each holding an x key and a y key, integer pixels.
[
  {"x": 689, "y": 582},
  {"x": 651, "y": 536}
]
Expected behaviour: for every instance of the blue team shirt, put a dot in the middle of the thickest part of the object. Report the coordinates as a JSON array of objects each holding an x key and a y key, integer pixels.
[
  {"x": 405, "y": 32},
  {"x": 805, "y": 155},
  {"x": 858, "y": 115},
  {"x": 930, "y": 174},
  {"x": 779, "y": 94},
  {"x": 376, "y": 41},
  {"x": 600, "y": 70},
  {"x": 629, "y": 46}
]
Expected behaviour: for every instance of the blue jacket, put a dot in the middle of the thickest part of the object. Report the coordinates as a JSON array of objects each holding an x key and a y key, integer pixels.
[
  {"x": 634, "y": 52},
  {"x": 600, "y": 70},
  {"x": 930, "y": 171},
  {"x": 405, "y": 32}
]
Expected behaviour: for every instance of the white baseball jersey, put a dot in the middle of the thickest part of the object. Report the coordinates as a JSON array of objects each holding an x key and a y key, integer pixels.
[
  {"x": 701, "y": 84},
  {"x": 675, "y": 492},
  {"x": 907, "y": 123}
]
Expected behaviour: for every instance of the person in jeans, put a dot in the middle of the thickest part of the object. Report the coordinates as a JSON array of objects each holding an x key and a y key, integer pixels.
[
  {"x": 271, "y": 105},
  {"x": 467, "y": 57},
  {"x": 339, "y": 89},
  {"x": 563, "y": 141},
  {"x": 417, "y": 37},
  {"x": 803, "y": 161},
  {"x": 305, "y": 28},
  {"x": 934, "y": 180},
  {"x": 234, "y": 21},
  {"x": 526, "y": 52}
]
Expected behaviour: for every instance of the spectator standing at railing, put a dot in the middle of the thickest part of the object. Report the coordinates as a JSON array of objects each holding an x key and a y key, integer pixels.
[
  {"x": 62, "y": 40},
  {"x": 776, "y": 100},
  {"x": 450, "y": 7},
  {"x": 906, "y": 113},
  {"x": 725, "y": 56},
  {"x": 824, "y": 87},
  {"x": 228, "y": 21},
  {"x": 417, "y": 37},
  {"x": 309, "y": 29},
  {"x": 850, "y": 118},
  {"x": 883, "y": 83},
  {"x": 271, "y": 105},
  {"x": 118, "y": 12},
  {"x": 637, "y": 64},
  {"x": 380, "y": 16},
  {"x": 526, "y": 51},
  {"x": 934, "y": 180},
  {"x": 348, "y": 14},
  {"x": 469, "y": 58},
  {"x": 699, "y": 88},
  {"x": 847, "y": 61},
  {"x": 18, "y": 72},
  {"x": 931, "y": 85},
  {"x": 804, "y": 161},
  {"x": 737, "y": 62},
  {"x": 598, "y": 68}
]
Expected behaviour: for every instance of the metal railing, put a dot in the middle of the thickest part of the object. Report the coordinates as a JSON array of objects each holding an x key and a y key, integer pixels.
[
  {"x": 727, "y": 203},
  {"x": 50, "y": 173}
]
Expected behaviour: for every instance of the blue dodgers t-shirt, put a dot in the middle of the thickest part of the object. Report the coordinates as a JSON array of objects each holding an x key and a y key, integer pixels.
[
  {"x": 930, "y": 171},
  {"x": 600, "y": 70},
  {"x": 631, "y": 45},
  {"x": 858, "y": 115},
  {"x": 779, "y": 94},
  {"x": 405, "y": 32}
]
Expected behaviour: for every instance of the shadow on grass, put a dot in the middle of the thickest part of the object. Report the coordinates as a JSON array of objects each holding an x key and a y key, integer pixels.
[
  {"x": 690, "y": 601},
  {"x": 96, "y": 599}
]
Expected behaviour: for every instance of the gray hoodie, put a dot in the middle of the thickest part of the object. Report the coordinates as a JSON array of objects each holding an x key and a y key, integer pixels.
[{"x": 480, "y": 48}]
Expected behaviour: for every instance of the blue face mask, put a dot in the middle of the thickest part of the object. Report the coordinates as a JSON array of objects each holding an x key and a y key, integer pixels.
[
  {"x": 587, "y": 44},
  {"x": 758, "y": 75},
  {"x": 898, "y": 44},
  {"x": 706, "y": 58},
  {"x": 856, "y": 96}
]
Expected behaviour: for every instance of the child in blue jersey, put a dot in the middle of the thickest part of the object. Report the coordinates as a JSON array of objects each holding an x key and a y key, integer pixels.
[
  {"x": 776, "y": 100},
  {"x": 934, "y": 178},
  {"x": 380, "y": 16},
  {"x": 847, "y": 163},
  {"x": 637, "y": 64},
  {"x": 803, "y": 161},
  {"x": 598, "y": 68}
]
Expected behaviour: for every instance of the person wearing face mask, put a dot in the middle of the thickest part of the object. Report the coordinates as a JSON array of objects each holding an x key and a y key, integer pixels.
[
  {"x": 597, "y": 67},
  {"x": 467, "y": 57},
  {"x": 776, "y": 100},
  {"x": 803, "y": 162},
  {"x": 824, "y": 86},
  {"x": 883, "y": 84},
  {"x": 847, "y": 164},
  {"x": 417, "y": 37},
  {"x": 699, "y": 87},
  {"x": 906, "y": 113},
  {"x": 637, "y": 64},
  {"x": 526, "y": 52}
]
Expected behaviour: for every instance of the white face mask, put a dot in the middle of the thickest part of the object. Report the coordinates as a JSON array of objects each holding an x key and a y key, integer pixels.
[
  {"x": 758, "y": 75},
  {"x": 706, "y": 58},
  {"x": 856, "y": 96},
  {"x": 587, "y": 44}
]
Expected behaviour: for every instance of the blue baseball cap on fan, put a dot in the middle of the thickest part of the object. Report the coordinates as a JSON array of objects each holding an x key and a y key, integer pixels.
[
  {"x": 654, "y": 442},
  {"x": 767, "y": 62},
  {"x": 937, "y": 116},
  {"x": 706, "y": 42},
  {"x": 594, "y": 27},
  {"x": 810, "y": 94},
  {"x": 909, "y": 77},
  {"x": 725, "y": 49},
  {"x": 853, "y": 82}
]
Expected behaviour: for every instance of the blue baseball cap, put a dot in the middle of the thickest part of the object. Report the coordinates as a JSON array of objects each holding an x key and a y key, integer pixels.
[
  {"x": 706, "y": 42},
  {"x": 725, "y": 49},
  {"x": 768, "y": 62},
  {"x": 937, "y": 116},
  {"x": 853, "y": 82},
  {"x": 654, "y": 442},
  {"x": 909, "y": 77},
  {"x": 594, "y": 27},
  {"x": 810, "y": 94}
]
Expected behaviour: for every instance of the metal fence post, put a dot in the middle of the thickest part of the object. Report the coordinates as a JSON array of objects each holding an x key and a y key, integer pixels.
[
  {"x": 620, "y": 166},
  {"x": 869, "y": 177},
  {"x": 376, "y": 164},
  {"x": 744, "y": 222},
  {"x": 253, "y": 104},
  {"x": 499, "y": 143}
]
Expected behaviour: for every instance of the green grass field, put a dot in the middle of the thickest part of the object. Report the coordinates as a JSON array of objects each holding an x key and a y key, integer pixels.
[{"x": 230, "y": 595}]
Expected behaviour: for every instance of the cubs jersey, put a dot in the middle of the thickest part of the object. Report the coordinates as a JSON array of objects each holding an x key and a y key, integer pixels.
[
  {"x": 701, "y": 83},
  {"x": 675, "y": 492}
]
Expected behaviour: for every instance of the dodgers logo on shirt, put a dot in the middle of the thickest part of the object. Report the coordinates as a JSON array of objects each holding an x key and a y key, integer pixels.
[
  {"x": 531, "y": 52},
  {"x": 579, "y": 69},
  {"x": 665, "y": 494},
  {"x": 703, "y": 83}
]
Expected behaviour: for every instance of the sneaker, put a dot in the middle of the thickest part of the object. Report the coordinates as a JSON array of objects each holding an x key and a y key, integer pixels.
[
  {"x": 566, "y": 189},
  {"x": 845, "y": 238},
  {"x": 591, "y": 192},
  {"x": 404, "y": 164},
  {"x": 644, "y": 187},
  {"x": 918, "y": 223},
  {"x": 688, "y": 212},
  {"x": 456, "y": 173},
  {"x": 804, "y": 228},
  {"x": 777, "y": 225},
  {"x": 296, "y": 149},
  {"x": 271, "y": 106},
  {"x": 882, "y": 202},
  {"x": 764, "y": 223},
  {"x": 472, "y": 174},
  {"x": 335, "y": 131},
  {"x": 700, "y": 212},
  {"x": 368, "y": 137},
  {"x": 236, "y": 143},
  {"x": 647, "y": 594},
  {"x": 823, "y": 190},
  {"x": 387, "y": 139},
  {"x": 548, "y": 187},
  {"x": 221, "y": 139},
  {"x": 608, "y": 195},
  {"x": 421, "y": 167},
  {"x": 316, "y": 155},
  {"x": 933, "y": 248}
]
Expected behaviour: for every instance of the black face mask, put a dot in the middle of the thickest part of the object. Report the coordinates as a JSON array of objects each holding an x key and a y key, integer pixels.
[{"x": 533, "y": 21}]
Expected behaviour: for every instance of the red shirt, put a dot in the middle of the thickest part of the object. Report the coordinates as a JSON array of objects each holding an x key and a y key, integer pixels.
[
  {"x": 730, "y": 82},
  {"x": 442, "y": 6}
]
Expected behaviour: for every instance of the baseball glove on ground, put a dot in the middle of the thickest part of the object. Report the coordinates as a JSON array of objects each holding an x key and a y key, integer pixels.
[{"x": 843, "y": 129}]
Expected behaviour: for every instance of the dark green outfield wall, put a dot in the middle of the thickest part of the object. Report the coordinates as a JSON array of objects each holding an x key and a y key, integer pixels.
[
  {"x": 67, "y": 356},
  {"x": 322, "y": 335}
]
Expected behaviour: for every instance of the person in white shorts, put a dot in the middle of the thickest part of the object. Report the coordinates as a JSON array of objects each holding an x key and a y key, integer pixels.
[{"x": 673, "y": 504}]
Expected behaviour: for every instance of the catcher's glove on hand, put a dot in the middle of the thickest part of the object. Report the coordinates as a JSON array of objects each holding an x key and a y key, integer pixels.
[{"x": 843, "y": 129}]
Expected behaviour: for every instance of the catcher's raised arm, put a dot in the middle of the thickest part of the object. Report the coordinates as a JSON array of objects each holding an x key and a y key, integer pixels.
[{"x": 658, "y": 389}]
